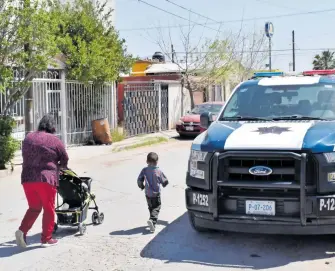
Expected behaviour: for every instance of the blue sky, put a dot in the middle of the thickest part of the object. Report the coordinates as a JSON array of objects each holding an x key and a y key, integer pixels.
[{"x": 313, "y": 31}]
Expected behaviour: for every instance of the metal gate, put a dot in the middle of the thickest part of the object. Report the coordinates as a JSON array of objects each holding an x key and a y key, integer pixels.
[
  {"x": 146, "y": 107},
  {"x": 47, "y": 101},
  {"x": 141, "y": 109},
  {"x": 53, "y": 107},
  {"x": 77, "y": 104}
]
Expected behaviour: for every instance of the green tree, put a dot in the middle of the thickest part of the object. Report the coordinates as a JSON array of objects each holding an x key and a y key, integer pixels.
[
  {"x": 27, "y": 46},
  {"x": 324, "y": 61},
  {"x": 92, "y": 48}
]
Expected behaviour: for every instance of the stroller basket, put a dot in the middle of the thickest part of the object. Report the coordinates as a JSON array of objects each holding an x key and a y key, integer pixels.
[{"x": 77, "y": 197}]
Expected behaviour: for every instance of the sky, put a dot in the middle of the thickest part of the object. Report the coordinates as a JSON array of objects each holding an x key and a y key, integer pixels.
[{"x": 135, "y": 21}]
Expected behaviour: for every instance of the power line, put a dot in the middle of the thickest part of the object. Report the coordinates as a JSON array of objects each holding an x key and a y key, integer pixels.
[
  {"x": 224, "y": 22},
  {"x": 265, "y": 51},
  {"x": 189, "y": 10},
  {"x": 178, "y": 16}
]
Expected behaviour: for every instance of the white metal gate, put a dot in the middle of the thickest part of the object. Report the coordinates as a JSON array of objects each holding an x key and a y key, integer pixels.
[
  {"x": 47, "y": 101},
  {"x": 80, "y": 103},
  {"x": 17, "y": 112}
]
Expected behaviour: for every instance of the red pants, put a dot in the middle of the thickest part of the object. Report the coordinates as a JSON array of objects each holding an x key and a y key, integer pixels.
[{"x": 40, "y": 195}]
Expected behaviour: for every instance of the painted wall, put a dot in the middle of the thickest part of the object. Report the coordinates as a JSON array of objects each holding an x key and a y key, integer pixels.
[
  {"x": 139, "y": 67},
  {"x": 175, "y": 103}
]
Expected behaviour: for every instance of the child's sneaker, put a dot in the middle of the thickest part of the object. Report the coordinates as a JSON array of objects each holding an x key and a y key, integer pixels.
[
  {"x": 151, "y": 226},
  {"x": 20, "y": 239},
  {"x": 51, "y": 242}
]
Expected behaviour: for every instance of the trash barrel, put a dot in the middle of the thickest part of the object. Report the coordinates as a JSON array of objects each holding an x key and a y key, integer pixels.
[{"x": 101, "y": 131}]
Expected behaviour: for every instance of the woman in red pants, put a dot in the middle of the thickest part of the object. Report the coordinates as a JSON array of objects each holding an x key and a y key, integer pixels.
[{"x": 43, "y": 155}]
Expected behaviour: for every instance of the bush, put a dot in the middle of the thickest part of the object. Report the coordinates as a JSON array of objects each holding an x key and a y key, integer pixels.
[
  {"x": 117, "y": 135},
  {"x": 8, "y": 145},
  {"x": 6, "y": 126}
]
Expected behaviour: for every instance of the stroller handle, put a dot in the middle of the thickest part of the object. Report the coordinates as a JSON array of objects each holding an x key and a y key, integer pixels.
[{"x": 68, "y": 171}]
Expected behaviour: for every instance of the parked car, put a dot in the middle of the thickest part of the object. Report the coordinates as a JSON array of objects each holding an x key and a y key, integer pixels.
[{"x": 189, "y": 125}]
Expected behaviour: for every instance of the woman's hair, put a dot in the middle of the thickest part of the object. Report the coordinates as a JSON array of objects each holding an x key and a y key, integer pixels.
[{"x": 47, "y": 124}]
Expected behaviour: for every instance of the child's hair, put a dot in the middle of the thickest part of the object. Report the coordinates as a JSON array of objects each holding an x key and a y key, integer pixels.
[{"x": 152, "y": 158}]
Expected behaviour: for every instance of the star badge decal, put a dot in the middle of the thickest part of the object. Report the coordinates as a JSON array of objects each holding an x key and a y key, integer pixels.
[{"x": 272, "y": 130}]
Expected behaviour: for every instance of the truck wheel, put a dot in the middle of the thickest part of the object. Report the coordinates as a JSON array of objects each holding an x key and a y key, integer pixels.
[{"x": 193, "y": 225}]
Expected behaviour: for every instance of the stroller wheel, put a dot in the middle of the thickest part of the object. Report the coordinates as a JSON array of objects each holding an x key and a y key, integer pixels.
[
  {"x": 101, "y": 218},
  {"x": 55, "y": 228},
  {"x": 82, "y": 229},
  {"x": 95, "y": 218}
]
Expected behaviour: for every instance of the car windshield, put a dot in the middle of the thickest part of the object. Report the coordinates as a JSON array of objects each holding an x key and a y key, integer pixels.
[
  {"x": 202, "y": 108},
  {"x": 315, "y": 101}
]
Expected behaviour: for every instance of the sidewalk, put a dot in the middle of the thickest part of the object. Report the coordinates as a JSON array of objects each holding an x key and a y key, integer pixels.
[{"x": 89, "y": 152}]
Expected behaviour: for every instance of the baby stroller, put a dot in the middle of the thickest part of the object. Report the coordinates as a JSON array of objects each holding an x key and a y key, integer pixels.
[{"x": 77, "y": 197}]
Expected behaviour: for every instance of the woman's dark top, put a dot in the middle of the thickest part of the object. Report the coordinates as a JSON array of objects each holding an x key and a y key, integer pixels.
[{"x": 43, "y": 155}]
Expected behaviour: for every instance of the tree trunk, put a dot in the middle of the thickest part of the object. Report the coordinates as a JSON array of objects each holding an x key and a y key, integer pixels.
[{"x": 190, "y": 90}]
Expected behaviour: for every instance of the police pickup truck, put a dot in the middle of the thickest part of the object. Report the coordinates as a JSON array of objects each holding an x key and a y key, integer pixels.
[{"x": 266, "y": 164}]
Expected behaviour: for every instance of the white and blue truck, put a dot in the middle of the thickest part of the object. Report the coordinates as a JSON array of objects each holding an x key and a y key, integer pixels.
[{"x": 266, "y": 164}]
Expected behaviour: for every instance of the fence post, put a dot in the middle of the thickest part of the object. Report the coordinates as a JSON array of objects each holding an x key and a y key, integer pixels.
[
  {"x": 115, "y": 105},
  {"x": 29, "y": 109},
  {"x": 160, "y": 106},
  {"x": 63, "y": 108}
]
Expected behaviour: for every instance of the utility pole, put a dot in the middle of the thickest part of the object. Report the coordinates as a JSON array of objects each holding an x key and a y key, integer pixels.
[
  {"x": 270, "y": 64},
  {"x": 293, "y": 49},
  {"x": 29, "y": 119},
  {"x": 269, "y": 30},
  {"x": 172, "y": 53}
]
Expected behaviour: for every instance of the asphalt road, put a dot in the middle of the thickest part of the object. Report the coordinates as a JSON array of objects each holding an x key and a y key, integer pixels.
[{"x": 123, "y": 241}]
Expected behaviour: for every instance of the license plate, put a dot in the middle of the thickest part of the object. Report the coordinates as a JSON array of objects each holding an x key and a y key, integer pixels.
[
  {"x": 200, "y": 199},
  {"x": 259, "y": 207},
  {"x": 326, "y": 205},
  {"x": 189, "y": 128}
]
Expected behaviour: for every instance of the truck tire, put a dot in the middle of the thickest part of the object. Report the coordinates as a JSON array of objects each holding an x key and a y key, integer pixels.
[{"x": 193, "y": 225}]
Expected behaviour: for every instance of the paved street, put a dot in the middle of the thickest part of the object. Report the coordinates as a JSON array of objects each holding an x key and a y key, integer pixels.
[{"x": 123, "y": 241}]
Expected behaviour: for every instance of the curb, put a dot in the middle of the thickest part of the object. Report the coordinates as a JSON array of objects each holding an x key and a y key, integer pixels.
[
  {"x": 122, "y": 147},
  {"x": 118, "y": 147}
]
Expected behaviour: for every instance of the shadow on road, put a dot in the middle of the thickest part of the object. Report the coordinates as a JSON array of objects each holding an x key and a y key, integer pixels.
[
  {"x": 184, "y": 138},
  {"x": 178, "y": 243},
  {"x": 139, "y": 230},
  {"x": 10, "y": 248}
]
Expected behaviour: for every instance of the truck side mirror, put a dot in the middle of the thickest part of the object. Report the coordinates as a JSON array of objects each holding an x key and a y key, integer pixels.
[{"x": 206, "y": 119}]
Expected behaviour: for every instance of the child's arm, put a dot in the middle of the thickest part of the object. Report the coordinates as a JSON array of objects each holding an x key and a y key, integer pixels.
[
  {"x": 140, "y": 180},
  {"x": 164, "y": 181}
]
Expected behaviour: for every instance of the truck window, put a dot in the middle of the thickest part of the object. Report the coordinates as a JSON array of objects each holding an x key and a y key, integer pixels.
[{"x": 316, "y": 100}]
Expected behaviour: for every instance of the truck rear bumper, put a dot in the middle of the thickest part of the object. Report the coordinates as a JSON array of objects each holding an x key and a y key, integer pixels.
[{"x": 315, "y": 227}]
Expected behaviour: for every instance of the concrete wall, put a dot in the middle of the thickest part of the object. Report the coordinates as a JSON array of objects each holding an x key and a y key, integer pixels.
[{"x": 175, "y": 108}]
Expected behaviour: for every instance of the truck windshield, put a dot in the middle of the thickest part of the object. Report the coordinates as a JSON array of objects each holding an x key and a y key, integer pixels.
[{"x": 250, "y": 102}]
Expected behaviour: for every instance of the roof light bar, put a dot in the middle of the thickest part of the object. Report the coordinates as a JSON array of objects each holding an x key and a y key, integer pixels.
[
  {"x": 318, "y": 72},
  {"x": 267, "y": 74}
]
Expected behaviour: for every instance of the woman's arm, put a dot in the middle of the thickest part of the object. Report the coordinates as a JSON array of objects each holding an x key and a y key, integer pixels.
[{"x": 62, "y": 154}]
